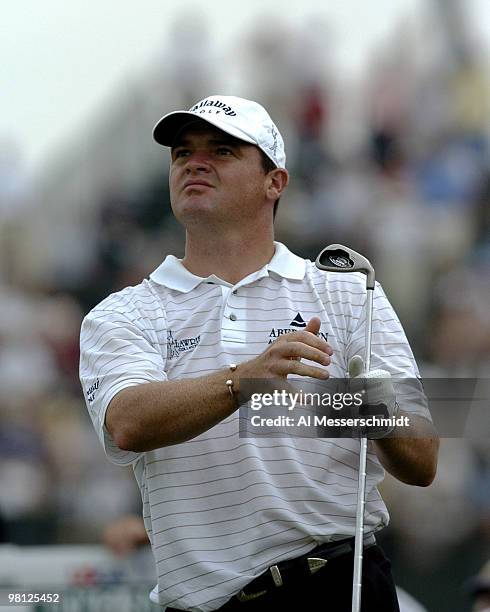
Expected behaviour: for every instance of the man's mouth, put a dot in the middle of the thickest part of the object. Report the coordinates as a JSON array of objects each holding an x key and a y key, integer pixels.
[{"x": 196, "y": 183}]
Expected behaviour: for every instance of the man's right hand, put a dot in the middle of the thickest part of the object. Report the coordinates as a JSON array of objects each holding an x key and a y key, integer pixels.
[{"x": 284, "y": 355}]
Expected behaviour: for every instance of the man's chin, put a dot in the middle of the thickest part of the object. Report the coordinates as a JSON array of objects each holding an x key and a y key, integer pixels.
[{"x": 195, "y": 209}]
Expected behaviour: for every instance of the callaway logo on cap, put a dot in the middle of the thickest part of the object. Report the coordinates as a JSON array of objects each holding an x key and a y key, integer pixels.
[{"x": 238, "y": 117}]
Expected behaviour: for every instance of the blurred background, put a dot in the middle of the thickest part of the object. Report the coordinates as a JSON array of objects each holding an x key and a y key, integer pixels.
[{"x": 385, "y": 111}]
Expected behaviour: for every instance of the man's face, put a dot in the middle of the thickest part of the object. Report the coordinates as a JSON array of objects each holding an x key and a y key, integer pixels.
[{"x": 215, "y": 177}]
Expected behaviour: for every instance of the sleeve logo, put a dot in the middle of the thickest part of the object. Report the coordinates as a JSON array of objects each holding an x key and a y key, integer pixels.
[{"x": 90, "y": 393}]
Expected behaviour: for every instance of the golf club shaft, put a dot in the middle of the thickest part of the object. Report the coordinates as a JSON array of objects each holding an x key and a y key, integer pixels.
[
  {"x": 359, "y": 539},
  {"x": 369, "y": 329},
  {"x": 361, "y": 485}
]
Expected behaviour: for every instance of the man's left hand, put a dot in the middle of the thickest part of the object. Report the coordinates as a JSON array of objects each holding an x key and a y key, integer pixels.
[{"x": 380, "y": 399}]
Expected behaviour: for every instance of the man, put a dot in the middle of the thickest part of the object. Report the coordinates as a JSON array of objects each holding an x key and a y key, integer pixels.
[{"x": 232, "y": 521}]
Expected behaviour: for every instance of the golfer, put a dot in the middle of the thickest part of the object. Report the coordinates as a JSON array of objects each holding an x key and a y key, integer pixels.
[{"x": 245, "y": 523}]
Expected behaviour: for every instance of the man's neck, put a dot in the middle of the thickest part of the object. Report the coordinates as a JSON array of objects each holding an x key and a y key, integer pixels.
[{"x": 231, "y": 258}]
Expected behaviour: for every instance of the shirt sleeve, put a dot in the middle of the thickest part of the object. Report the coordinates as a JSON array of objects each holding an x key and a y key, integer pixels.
[
  {"x": 115, "y": 353},
  {"x": 390, "y": 351}
]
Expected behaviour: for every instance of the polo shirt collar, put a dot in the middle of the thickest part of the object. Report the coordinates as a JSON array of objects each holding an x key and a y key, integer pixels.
[
  {"x": 174, "y": 275},
  {"x": 286, "y": 264}
]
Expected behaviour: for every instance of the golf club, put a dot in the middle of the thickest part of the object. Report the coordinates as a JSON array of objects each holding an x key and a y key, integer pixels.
[{"x": 339, "y": 258}]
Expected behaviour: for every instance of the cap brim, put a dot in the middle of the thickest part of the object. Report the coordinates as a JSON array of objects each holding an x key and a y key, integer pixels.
[{"x": 171, "y": 124}]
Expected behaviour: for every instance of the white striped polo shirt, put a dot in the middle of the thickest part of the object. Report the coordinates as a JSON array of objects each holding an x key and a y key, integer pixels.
[{"x": 220, "y": 509}]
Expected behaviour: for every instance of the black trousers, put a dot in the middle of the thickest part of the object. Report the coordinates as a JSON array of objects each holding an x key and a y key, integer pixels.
[{"x": 330, "y": 589}]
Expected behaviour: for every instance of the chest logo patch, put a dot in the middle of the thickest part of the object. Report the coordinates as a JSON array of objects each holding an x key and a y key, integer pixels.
[
  {"x": 176, "y": 347},
  {"x": 296, "y": 324},
  {"x": 298, "y": 321}
]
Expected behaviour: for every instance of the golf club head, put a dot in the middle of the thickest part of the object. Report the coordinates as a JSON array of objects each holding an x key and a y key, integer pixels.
[{"x": 339, "y": 258}]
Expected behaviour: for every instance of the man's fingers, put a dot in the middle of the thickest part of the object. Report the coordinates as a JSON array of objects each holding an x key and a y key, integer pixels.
[
  {"x": 284, "y": 356},
  {"x": 299, "y": 350},
  {"x": 313, "y": 325},
  {"x": 291, "y": 366},
  {"x": 308, "y": 338},
  {"x": 356, "y": 366}
]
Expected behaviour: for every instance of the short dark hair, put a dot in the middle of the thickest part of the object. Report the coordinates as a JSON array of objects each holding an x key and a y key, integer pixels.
[{"x": 267, "y": 166}]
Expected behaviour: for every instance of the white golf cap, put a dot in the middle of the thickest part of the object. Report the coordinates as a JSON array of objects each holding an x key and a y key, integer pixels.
[{"x": 238, "y": 117}]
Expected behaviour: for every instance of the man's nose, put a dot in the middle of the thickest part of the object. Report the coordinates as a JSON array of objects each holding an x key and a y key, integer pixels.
[{"x": 198, "y": 162}]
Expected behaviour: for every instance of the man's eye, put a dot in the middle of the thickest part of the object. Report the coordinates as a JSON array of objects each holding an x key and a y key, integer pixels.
[
  {"x": 181, "y": 153},
  {"x": 224, "y": 151}
]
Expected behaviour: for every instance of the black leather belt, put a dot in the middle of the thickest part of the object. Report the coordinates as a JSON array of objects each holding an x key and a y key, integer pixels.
[{"x": 290, "y": 570}]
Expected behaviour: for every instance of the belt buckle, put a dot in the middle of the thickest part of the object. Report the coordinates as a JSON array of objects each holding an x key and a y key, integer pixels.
[
  {"x": 243, "y": 597},
  {"x": 276, "y": 577},
  {"x": 315, "y": 564}
]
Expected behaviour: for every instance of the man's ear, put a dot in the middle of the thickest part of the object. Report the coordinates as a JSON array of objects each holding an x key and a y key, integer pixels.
[{"x": 277, "y": 181}]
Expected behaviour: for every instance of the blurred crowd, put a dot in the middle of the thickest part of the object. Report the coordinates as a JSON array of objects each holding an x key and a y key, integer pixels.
[{"x": 394, "y": 163}]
